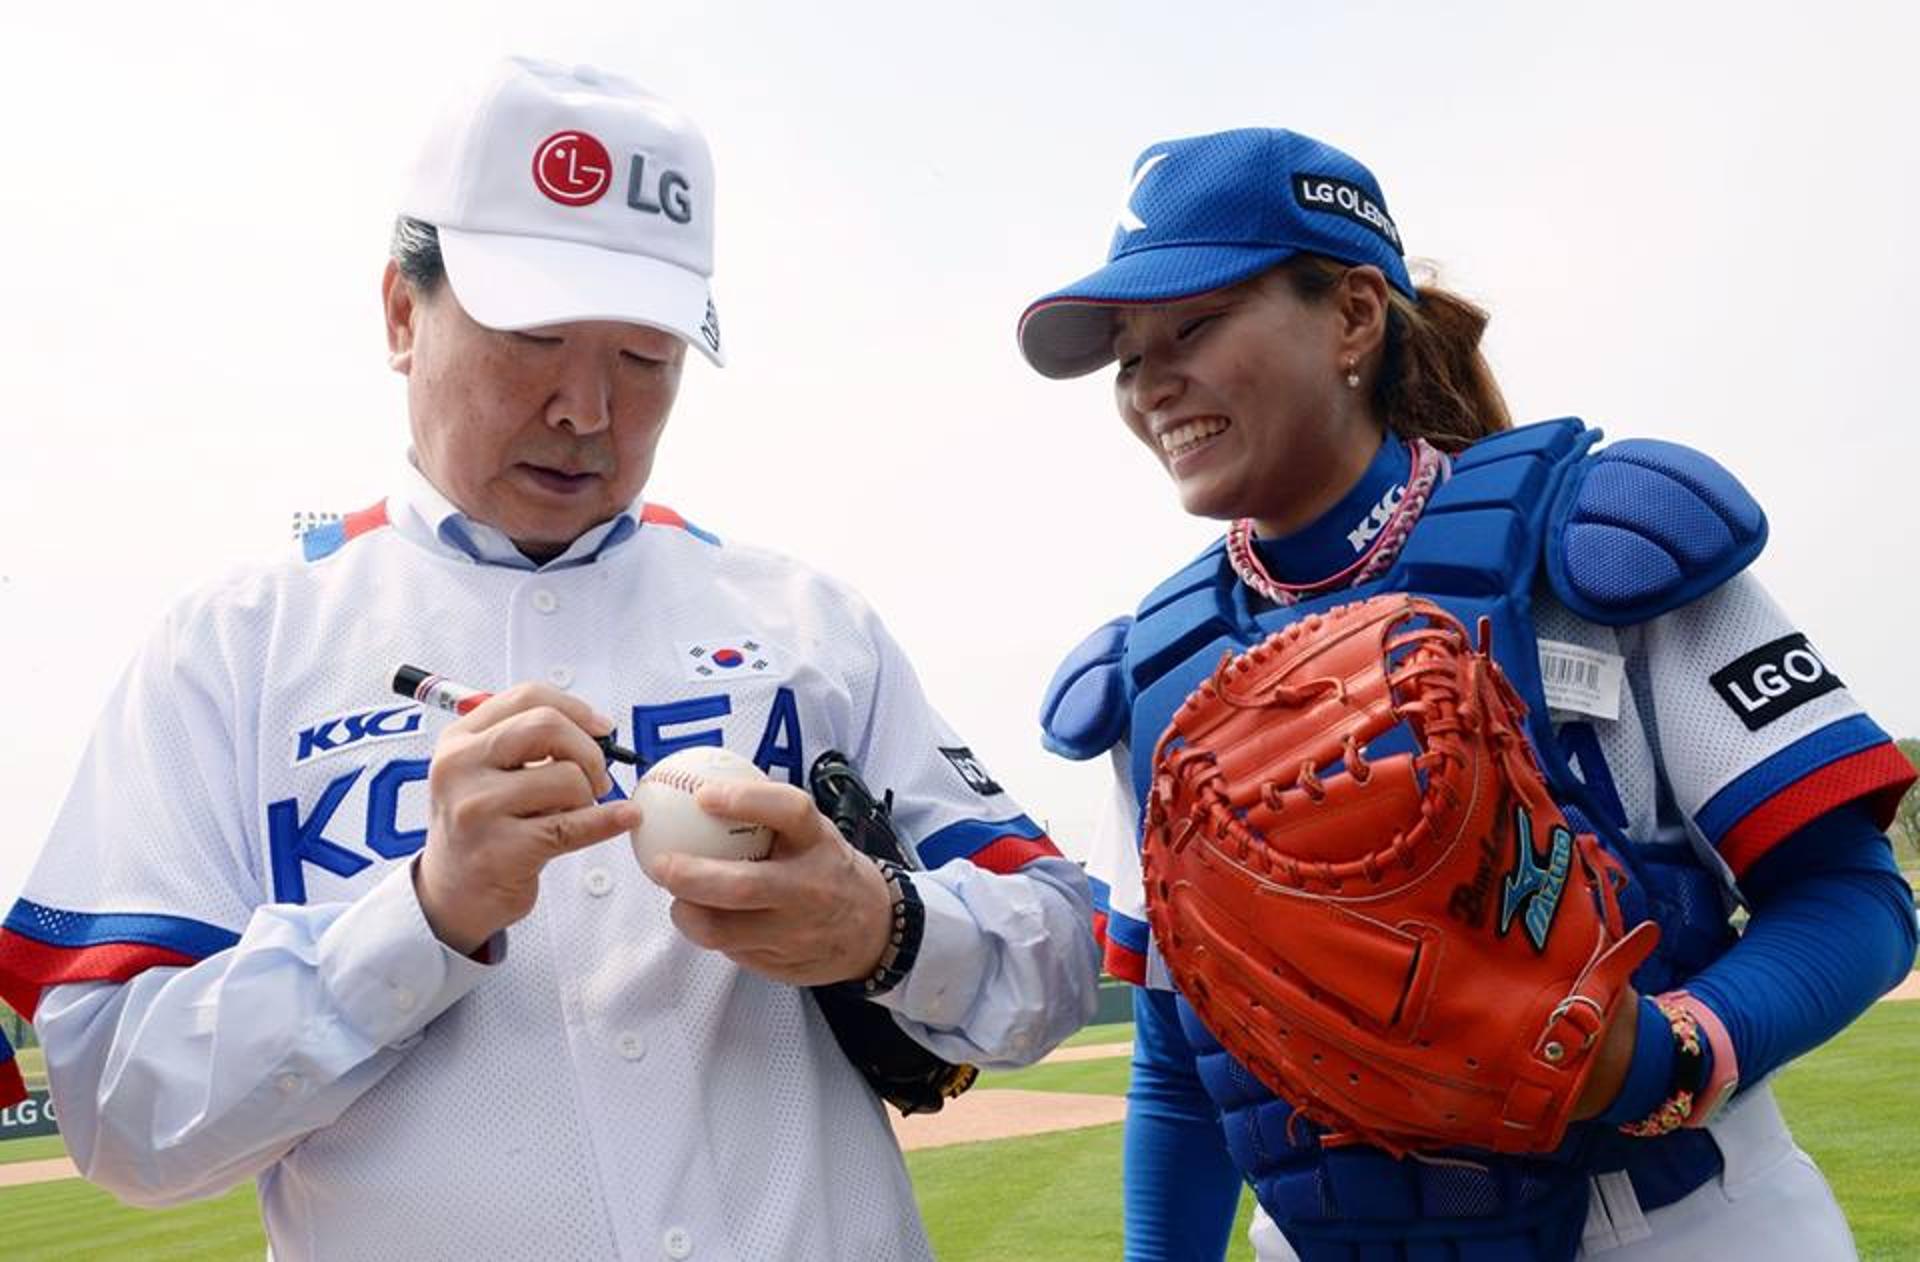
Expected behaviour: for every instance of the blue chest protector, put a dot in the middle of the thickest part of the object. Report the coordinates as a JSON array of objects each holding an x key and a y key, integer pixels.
[{"x": 1622, "y": 536}]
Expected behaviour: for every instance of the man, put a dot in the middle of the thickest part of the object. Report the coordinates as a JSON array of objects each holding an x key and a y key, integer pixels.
[{"x": 416, "y": 997}]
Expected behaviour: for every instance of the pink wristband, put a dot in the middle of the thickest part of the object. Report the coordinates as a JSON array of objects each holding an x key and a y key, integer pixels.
[{"x": 1724, "y": 1078}]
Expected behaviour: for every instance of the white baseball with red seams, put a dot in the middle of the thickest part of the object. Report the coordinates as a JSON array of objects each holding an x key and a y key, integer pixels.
[{"x": 670, "y": 820}]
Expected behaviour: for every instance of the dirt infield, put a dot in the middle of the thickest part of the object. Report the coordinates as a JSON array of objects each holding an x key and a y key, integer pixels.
[
  {"x": 1090, "y": 1051},
  {"x": 18, "y": 1172},
  {"x": 990, "y": 1113}
]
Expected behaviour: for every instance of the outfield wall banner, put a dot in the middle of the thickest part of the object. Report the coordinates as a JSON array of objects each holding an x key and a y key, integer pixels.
[
  {"x": 32, "y": 1116},
  {"x": 1116, "y": 1003}
]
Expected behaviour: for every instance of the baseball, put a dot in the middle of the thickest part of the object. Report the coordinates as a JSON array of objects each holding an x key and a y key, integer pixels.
[{"x": 670, "y": 820}]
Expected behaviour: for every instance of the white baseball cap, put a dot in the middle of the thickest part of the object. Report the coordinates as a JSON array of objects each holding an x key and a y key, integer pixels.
[{"x": 569, "y": 194}]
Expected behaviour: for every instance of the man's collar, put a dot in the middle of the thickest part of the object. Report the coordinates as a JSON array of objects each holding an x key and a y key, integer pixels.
[{"x": 422, "y": 513}]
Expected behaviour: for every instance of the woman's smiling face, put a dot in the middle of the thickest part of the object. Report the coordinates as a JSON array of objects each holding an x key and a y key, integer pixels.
[{"x": 1241, "y": 393}]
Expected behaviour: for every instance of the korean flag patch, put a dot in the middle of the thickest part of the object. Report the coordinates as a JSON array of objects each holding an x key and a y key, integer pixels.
[{"x": 719, "y": 659}]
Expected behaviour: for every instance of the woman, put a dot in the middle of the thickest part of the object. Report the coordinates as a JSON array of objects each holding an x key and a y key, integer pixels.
[{"x": 1278, "y": 360}]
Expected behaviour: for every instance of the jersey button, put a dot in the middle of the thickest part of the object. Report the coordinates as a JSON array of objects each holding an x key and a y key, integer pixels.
[
  {"x": 561, "y": 676},
  {"x": 599, "y": 881},
  {"x": 676, "y": 1243},
  {"x": 289, "y": 1083},
  {"x": 404, "y": 999},
  {"x": 544, "y": 600},
  {"x": 631, "y": 1047}
]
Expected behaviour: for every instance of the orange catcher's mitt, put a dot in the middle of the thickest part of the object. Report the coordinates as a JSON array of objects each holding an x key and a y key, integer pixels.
[{"x": 1410, "y": 947}]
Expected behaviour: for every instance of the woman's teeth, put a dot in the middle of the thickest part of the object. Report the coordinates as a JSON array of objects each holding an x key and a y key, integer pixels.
[{"x": 1191, "y": 434}]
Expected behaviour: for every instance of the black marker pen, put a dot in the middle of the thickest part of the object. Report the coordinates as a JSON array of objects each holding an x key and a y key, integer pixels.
[{"x": 444, "y": 694}]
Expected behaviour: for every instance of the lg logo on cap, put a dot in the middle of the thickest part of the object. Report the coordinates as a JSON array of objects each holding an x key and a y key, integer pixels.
[
  {"x": 1773, "y": 680},
  {"x": 575, "y": 169},
  {"x": 572, "y": 168}
]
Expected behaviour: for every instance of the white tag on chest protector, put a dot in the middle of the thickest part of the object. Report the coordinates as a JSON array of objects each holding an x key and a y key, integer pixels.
[{"x": 1581, "y": 680}]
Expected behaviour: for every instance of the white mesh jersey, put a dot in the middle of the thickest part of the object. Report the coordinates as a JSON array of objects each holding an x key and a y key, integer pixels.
[
  {"x": 604, "y": 1089},
  {"x": 1731, "y": 733}
]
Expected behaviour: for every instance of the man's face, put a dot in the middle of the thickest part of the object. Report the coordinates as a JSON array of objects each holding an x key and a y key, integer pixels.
[{"x": 541, "y": 434}]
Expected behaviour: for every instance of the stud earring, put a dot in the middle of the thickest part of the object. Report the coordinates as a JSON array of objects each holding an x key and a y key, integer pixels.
[{"x": 1353, "y": 374}]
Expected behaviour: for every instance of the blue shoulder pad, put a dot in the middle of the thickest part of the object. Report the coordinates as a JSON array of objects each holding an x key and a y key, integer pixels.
[
  {"x": 1084, "y": 713},
  {"x": 1645, "y": 526}
]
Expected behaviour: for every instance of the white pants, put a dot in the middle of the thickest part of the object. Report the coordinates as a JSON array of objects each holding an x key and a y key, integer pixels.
[{"x": 1769, "y": 1203}]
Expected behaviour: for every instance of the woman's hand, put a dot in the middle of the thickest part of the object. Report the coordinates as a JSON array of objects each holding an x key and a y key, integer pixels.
[{"x": 1613, "y": 1059}]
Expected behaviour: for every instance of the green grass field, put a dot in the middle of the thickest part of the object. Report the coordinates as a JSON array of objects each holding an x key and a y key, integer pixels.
[
  {"x": 33, "y": 1065},
  {"x": 1854, "y": 1104},
  {"x": 75, "y": 1220},
  {"x": 38, "y": 1148},
  {"x": 1047, "y": 1198},
  {"x": 1118, "y": 1032},
  {"x": 1107, "y": 1076}
]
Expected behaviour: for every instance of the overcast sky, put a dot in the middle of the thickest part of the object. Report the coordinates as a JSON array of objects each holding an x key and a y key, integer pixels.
[{"x": 1690, "y": 221}]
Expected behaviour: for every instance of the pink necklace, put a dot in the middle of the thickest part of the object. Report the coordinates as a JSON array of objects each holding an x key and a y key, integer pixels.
[{"x": 1428, "y": 466}]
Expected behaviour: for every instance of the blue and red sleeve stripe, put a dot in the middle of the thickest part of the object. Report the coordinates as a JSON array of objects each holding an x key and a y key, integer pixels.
[
  {"x": 1008, "y": 845},
  {"x": 1122, "y": 939},
  {"x": 1125, "y": 947},
  {"x": 43, "y": 946},
  {"x": 1102, "y": 900},
  {"x": 1849, "y": 761},
  {"x": 1002, "y": 846}
]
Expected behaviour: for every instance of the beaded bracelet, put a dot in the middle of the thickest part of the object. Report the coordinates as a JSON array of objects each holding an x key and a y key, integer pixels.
[
  {"x": 903, "y": 937},
  {"x": 1698, "y": 1093},
  {"x": 1689, "y": 1075}
]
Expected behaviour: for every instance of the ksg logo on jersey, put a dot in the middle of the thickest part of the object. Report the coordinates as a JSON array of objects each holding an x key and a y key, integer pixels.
[
  {"x": 1376, "y": 519},
  {"x": 331, "y": 735},
  {"x": 1774, "y": 680}
]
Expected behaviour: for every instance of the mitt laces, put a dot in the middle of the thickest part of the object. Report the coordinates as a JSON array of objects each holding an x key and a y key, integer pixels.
[
  {"x": 1272, "y": 692},
  {"x": 1434, "y": 678},
  {"x": 1427, "y": 673}
]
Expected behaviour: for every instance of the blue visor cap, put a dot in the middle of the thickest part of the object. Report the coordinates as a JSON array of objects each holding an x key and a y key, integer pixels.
[{"x": 1206, "y": 212}]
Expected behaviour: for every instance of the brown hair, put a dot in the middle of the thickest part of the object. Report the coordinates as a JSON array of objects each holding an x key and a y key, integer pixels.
[{"x": 1433, "y": 383}]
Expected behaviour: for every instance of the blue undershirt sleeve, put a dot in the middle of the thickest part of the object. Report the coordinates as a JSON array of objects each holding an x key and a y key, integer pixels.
[
  {"x": 1181, "y": 1185},
  {"x": 1831, "y": 930},
  {"x": 1650, "y": 1072}
]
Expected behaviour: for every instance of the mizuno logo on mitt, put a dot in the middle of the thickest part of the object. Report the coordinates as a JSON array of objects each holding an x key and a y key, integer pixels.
[{"x": 1536, "y": 886}]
